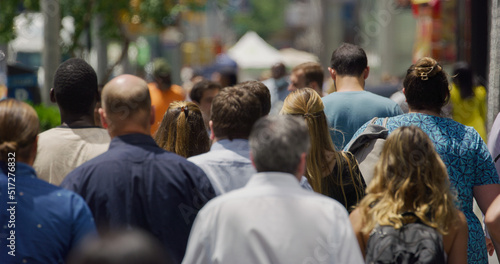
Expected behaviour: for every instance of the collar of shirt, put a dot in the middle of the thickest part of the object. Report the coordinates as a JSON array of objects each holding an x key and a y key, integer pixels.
[
  {"x": 132, "y": 139},
  {"x": 21, "y": 169},
  {"x": 238, "y": 145},
  {"x": 279, "y": 179}
]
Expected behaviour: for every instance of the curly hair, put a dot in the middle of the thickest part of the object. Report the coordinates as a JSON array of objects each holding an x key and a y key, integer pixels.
[
  {"x": 75, "y": 86},
  {"x": 409, "y": 177}
]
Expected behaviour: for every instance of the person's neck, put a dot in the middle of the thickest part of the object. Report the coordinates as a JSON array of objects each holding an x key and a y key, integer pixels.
[
  {"x": 427, "y": 112},
  {"x": 76, "y": 121},
  {"x": 127, "y": 131},
  {"x": 349, "y": 84}
]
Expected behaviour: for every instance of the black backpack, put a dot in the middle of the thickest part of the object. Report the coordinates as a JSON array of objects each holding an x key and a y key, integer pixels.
[{"x": 413, "y": 243}]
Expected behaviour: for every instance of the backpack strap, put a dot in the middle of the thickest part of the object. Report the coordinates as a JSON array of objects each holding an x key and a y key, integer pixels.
[
  {"x": 497, "y": 157},
  {"x": 373, "y": 120},
  {"x": 384, "y": 124}
]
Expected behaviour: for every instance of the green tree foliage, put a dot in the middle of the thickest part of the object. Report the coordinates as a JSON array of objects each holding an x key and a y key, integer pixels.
[
  {"x": 8, "y": 10},
  {"x": 263, "y": 16}
]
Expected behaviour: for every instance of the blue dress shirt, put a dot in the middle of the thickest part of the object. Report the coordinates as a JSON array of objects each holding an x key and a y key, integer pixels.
[
  {"x": 47, "y": 221},
  {"x": 138, "y": 184},
  {"x": 228, "y": 165}
]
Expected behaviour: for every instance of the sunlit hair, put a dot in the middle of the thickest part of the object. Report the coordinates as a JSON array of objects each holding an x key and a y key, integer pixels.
[
  {"x": 409, "y": 177},
  {"x": 182, "y": 130},
  {"x": 307, "y": 103},
  {"x": 426, "y": 85},
  {"x": 19, "y": 123}
]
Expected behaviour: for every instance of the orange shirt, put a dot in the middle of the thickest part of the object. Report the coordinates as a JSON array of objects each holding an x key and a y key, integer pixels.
[{"x": 162, "y": 99}]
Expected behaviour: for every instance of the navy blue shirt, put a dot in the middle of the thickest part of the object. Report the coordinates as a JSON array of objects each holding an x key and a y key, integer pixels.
[
  {"x": 45, "y": 221},
  {"x": 138, "y": 184}
]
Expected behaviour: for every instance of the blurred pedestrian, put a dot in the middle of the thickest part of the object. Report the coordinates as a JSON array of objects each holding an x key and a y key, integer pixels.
[
  {"x": 163, "y": 91},
  {"x": 468, "y": 100}
]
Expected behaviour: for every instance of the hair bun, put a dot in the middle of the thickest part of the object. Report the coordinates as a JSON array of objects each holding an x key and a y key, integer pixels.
[
  {"x": 8, "y": 146},
  {"x": 427, "y": 67}
]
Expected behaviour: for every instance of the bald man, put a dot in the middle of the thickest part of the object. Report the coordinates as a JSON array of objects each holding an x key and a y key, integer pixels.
[{"x": 136, "y": 184}]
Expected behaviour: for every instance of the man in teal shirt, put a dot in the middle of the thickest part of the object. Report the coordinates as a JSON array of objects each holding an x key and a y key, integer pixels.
[{"x": 351, "y": 106}]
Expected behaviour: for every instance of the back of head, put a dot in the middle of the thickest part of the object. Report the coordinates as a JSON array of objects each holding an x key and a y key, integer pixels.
[
  {"x": 234, "y": 111},
  {"x": 410, "y": 176},
  {"x": 75, "y": 87},
  {"x": 120, "y": 247},
  {"x": 161, "y": 73},
  {"x": 182, "y": 130},
  {"x": 200, "y": 87},
  {"x": 278, "y": 70},
  {"x": 126, "y": 99},
  {"x": 261, "y": 91},
  {"x": 308, "y": 104},
  {"x": 426, "y": 85},
  {"x": 463, "y": 78},
  {"x": 349, "y": 60},
  {"x": 277, "y": 142},
  {"x": 19, "y": 123},
  {"x": 313, "y": 72}
]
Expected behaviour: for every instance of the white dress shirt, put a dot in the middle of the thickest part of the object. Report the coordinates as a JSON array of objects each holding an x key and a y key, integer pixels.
[{"x": 272, "y": 220}]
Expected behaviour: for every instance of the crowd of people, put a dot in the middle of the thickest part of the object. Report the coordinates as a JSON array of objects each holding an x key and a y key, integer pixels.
[{"x": 251, "y": 172}]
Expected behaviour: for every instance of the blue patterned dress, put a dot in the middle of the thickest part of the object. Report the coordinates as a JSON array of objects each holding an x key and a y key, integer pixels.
[{"x": 468, "y": 161}]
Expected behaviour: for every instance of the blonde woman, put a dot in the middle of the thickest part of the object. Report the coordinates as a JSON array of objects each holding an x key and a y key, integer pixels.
[
  {"x": 182, "y": 130},
  {"x": 410, "y": 177},
  {"x": 330, "y": 172}
]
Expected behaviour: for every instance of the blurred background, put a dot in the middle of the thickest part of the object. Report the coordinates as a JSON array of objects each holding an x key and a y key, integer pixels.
[{"x": 200, "y": 37}]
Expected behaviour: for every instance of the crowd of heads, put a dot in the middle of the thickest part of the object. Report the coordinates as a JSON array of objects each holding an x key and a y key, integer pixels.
[{"x": 410, "y": 175}]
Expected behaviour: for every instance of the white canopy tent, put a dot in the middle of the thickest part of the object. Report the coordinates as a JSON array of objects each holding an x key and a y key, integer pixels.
[
  {"x": 252, "y": 52},
  {"x": 293, "y": 57}
]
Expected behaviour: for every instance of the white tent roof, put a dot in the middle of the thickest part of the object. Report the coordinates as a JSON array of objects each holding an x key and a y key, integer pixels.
[
  {"x": 292, "y": 57},
  {"x": 251, "y": 51}
]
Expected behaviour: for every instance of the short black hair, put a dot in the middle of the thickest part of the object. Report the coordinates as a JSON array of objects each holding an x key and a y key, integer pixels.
[
  {"x": 349, "y": 60},
  {"x": 75, "y": 86},
  {"x": 200, "y": 87}
]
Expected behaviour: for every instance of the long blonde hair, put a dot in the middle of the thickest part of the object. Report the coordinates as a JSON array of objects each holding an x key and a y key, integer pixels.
[
  {"x": 307, "y": 103},
  {"x": 409, "y": 177},
  {"x": 182, "y": 130}
]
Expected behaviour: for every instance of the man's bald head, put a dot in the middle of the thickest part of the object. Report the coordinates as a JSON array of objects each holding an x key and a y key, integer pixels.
[{"x": 125, "y": 100}]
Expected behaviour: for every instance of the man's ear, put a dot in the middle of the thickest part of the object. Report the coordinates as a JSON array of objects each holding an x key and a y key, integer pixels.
[
  {"x": 366, "y": 72},
  {"x": 102, "y": 114},
  {"x": 301, "y": 169},
  {"x": 211, "y": 125},
  {"x": 52, "y": 96},
  {"x": 332, "y": 72},
  {"x": 252, "y": 160}
]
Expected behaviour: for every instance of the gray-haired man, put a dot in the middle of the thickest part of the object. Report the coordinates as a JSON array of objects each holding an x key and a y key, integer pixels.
[{"x": 272, "y": 219}]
